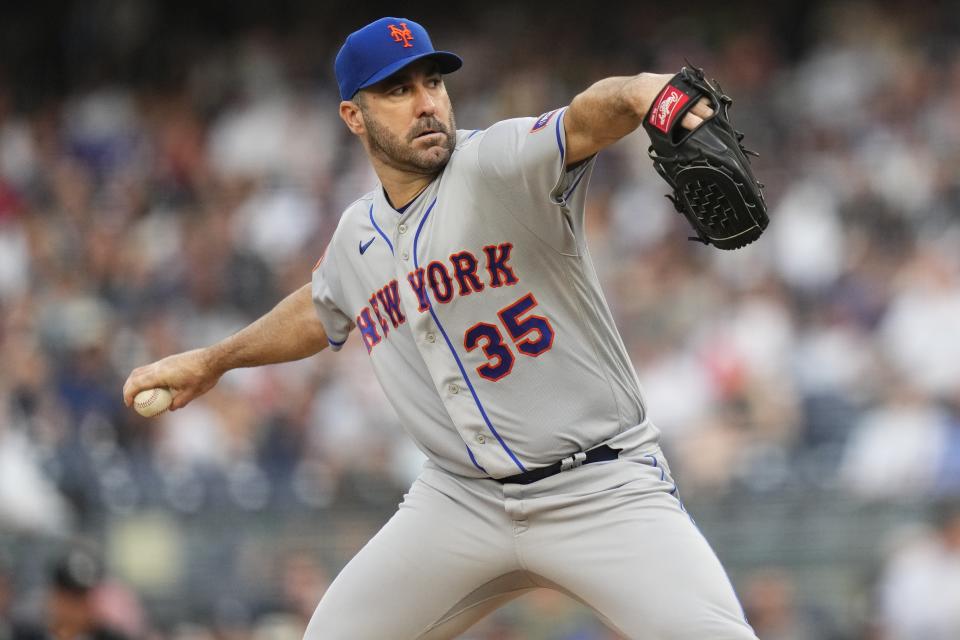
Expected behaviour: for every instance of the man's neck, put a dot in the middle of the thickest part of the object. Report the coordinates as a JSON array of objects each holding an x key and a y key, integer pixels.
[{"x": 401, "y": 187}]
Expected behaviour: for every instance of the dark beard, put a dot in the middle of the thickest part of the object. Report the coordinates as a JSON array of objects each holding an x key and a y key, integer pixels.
[{"x": 401, "y": 155}]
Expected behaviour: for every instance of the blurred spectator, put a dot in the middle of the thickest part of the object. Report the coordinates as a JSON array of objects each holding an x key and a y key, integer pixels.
[
  {"x": 302, "y": 583},
  {"x": 29, "y": 502},
  {"x": 6, "y": 599},
  {"x": 70, "y": 610},
  {"x": 895, "y": 450},
  {"x": 918, "y": 332},
  {"x": 770, "y": 604},
  {"x": 919, "y": 591}
]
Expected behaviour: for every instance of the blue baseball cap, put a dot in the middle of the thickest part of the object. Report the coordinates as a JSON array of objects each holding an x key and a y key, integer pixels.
[{"x": 382, "y": 48}]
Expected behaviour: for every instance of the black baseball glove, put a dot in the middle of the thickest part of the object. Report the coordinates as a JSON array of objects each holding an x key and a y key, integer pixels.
[{"x": 708, "y": 169}]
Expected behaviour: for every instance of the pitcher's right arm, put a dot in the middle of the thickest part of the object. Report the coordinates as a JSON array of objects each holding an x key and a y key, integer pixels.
[{"x": 289, "y": 331}]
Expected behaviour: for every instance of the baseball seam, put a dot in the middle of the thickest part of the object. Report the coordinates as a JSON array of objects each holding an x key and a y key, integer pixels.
[{"x": 145, "y": 404}]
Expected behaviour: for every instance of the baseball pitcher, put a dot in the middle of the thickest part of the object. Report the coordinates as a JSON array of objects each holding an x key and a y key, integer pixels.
[{"x": 466, "y": 276}]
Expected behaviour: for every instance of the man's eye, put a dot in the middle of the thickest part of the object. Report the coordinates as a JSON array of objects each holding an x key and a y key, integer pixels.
[{"x": 398, "y": 91}]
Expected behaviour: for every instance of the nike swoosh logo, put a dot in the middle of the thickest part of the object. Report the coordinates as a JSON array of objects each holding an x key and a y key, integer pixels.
[{"x": 366, "y": 245}]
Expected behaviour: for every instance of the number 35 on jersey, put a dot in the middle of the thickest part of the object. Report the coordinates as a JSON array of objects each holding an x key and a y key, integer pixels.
[{"x": 531, "y": 335}]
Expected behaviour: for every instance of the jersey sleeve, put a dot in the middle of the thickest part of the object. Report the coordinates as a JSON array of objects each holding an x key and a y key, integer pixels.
[
  {"x": 528, "y": 156},
  {"x": 326, "y": 294}
]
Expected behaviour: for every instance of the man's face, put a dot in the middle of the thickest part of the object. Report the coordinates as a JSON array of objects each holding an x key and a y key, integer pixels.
[{"x": 409, "y": 120}]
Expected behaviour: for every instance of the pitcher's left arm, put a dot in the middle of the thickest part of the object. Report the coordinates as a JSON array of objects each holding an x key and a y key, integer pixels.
[{"x": 614, "y": 107}]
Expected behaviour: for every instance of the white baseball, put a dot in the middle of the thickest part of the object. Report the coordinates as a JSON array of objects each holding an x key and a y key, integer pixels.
[{"x": 152, "y": 402}]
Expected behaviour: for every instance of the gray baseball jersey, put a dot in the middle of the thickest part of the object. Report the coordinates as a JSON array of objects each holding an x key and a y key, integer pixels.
[{"x": 481, "y": 309}]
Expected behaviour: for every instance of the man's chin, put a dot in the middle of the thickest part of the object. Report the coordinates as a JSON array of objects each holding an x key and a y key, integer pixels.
[{"x": 433, "y": 159}]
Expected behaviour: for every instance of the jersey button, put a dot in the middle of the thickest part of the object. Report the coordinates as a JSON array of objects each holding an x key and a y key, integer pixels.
[
  {"x": 405, "y": 255},
  {"x": 402, "y": 228},
  {"x": 480, "y": 438},
  {"x": 431, "y": 338},
  {"x": 453, "y": 389}
]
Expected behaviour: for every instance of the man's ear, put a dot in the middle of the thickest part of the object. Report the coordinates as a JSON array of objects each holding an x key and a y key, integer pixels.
[{"x": 352, "y": 116}]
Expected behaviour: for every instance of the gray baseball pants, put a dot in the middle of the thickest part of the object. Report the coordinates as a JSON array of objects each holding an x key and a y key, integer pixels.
[{"x": 613, "y": 535}]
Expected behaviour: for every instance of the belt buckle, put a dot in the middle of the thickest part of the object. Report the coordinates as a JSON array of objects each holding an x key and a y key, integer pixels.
[{"x": 573, "y": 461}]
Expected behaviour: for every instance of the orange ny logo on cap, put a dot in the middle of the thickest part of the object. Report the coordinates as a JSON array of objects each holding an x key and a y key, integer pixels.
[{"x": 402, "y": 34}]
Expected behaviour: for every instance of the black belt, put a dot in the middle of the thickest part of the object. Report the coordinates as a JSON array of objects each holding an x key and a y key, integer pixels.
[{"x": 598, "y": 454}]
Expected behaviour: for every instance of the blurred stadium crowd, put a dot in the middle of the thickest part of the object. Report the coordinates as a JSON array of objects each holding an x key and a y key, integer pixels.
[{"x": 157, "y": 195}]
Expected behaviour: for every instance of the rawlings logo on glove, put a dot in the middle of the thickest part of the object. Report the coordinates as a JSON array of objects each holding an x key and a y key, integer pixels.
[{"x": 666, "y": 107}]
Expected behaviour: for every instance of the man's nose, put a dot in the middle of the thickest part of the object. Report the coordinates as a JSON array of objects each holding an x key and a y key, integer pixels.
[{"x": 426, "y": 104}]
